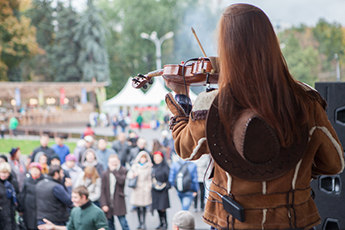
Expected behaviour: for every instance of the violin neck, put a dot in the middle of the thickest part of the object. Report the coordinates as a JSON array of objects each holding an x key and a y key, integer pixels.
[{"x": 155, "y": 73}]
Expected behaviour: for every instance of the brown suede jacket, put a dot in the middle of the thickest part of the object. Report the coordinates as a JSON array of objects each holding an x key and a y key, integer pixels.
[{"x": 282, "y": 203}]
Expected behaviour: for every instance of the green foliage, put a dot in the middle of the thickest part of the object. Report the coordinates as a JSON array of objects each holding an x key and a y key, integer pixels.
[
  {"x": 302, "y": 61},
  {"x": 330, "y": 38},
  {"x": 65, "y": 50},
  {"x": 129, "y": 54},
  {"x": 93, "y": 56},
  {"x": 17, "y": 39},
  {"x": 41, "y": 15}
]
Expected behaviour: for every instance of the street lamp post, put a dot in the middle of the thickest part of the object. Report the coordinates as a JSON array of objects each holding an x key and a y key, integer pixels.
[
  {"x": 158, "y": 42},
  {"x": 337, "y": 68}
]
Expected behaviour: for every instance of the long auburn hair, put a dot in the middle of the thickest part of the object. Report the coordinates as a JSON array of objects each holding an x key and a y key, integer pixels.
[
  {"x": 93, "y": 171},
  {"x": 254, "y": 74}
]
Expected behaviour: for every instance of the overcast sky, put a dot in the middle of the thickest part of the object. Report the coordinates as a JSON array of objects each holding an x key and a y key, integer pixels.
[{"x": 292, "y": 12}]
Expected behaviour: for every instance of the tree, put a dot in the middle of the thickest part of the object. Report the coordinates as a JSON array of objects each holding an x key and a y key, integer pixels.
[
  {"x": 330, "y": 38},
  {"x": 300, "y": 55},
  {"x": 41, "y": 15},
  {"x": 129, "y": 54},
  {"x": 90, "y": 34},
  {"x": 65, "y": 49},
  {"x": 17, "y": 39}
]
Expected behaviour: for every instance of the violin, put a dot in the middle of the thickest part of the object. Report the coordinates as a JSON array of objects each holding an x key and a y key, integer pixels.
[{"x": 195, "y": 74}]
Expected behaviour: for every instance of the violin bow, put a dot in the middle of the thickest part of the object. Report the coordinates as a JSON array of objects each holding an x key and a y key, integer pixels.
[{"x": 197, "y": 39}]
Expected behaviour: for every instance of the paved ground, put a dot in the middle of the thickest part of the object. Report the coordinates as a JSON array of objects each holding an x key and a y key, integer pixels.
[{"x": 152, "y": 221}]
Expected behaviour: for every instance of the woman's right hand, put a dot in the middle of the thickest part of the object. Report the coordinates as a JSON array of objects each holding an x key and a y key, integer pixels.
[{"x": 105, "y": 208}]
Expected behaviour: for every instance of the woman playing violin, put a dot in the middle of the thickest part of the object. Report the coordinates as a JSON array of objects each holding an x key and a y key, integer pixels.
[{"x": 268, "y": 134}]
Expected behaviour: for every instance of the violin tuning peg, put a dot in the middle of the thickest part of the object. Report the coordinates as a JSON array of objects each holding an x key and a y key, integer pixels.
[
  {"x": 145, "y": 86},
  {"x": 151, "y": 82},
  {"x": 140, "y": 75}
]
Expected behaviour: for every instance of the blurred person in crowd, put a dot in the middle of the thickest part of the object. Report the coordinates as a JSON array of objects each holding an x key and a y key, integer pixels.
[
  {"x": 88, "y": 131},
  {"x": 132, "y": 139},
  {"x": 160, "y": 188},
  {"x": 56, "y": 161},
  {"x": 141, "y": 146},
  {"x": 156, "y": 146},
  {"x": 13, "y": 176},
  {"x": 90, "y": 159},
  {"x": 114, "y": 123},
  {"x": 166, "y": 120},
  {"x": 49, "y": 152},
  {"x": 79, "y": 150},
  {"x": 60, "y": 148},
  {"x": 42, "y": 160},
  {"x": 103, "y": 153},
  {"x": 54, "y": 197},
  {"x": 27, "y": 198},
  {"x": 8, "y": 198},
  {"x": 72, "y": 167},
  {"x": 18, "y": 166},
  {"x": 141, "y": 195},
  {"x": 3, "y": 158},
  {"x": 84, "y": 216},
  {"x": 186, "y": 197},
  {"x": 13, "y": 124},
  {"x": 90, "y": 178},
  {"x": 90, "y": 142},
  {"x": 201, "y": 166},
  {"x": 140, "y": 121},
  {"x": 2, "y": 130},
  {"x": 183, "y": 220},
  {"x": 123, "y": 124},
  {"x": 112, "y": 193},
  {"x": 165, "y": 141},
  {"x": 103, "y": 118},
  {"x": 121, "y": 147}
]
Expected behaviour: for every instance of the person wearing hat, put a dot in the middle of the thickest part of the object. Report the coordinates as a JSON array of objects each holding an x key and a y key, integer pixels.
[
  {"x": 27, "y": 198},
  {"x": 268, "y": 134},
  {"x": 183, "y": 220},
  {"x": 18, "y": 166},
  {"x": 71, "y": 167}
]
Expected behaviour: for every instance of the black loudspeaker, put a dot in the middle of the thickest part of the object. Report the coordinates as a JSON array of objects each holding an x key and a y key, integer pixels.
[
  {"x": 329, "y": 190},
  {"x": 334, "y": 94}
]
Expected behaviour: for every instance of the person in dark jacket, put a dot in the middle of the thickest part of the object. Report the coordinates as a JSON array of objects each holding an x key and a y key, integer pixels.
[
  {"x": 27, "y": 198},
  {"x": 112, "y": 192},
  {"x": 122, "y": 148},
  {"x": 49, "y": 152},
  {"x": 8, "y": 199},
  {"x": 160, "y": 187},
  {"x": 54, "y": 198}
]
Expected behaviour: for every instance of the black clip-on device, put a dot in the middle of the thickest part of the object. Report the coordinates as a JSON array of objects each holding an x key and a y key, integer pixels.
[{"x": 233, "y": 208}]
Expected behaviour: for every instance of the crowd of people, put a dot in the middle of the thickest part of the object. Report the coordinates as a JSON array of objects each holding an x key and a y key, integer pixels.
[{"x": 41, "y": 187}]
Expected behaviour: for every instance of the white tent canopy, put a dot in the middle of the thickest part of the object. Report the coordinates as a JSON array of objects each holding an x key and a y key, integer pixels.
[
  {"x": 128, "y": 96},
  {"x": 131, "y": 97}
]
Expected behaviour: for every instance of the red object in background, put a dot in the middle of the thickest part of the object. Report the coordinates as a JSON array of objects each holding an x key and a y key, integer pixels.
[
  {"x": 62, "y": 96},
  {"x": 148, "y": 108},
  {"x": 135, "y": 125}
]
